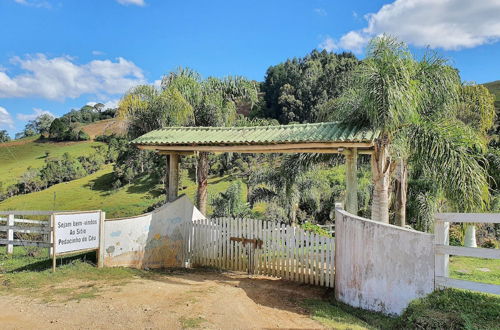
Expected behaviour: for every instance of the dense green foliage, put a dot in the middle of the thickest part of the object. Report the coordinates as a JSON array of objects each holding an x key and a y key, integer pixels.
[
  {"x": 308, "y": 226},
  {"x": 62, "y": 130},
  {"x": 299, "y": 89}
]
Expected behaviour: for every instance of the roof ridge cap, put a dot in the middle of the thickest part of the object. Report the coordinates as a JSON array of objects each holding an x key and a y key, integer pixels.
[{"x": 248, "y": 127}]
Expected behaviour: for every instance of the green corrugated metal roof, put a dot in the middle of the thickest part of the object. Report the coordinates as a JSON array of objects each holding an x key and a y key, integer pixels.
[{"x": 256, "y": 135}]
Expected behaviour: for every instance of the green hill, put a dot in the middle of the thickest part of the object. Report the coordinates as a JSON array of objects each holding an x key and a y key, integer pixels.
[
  {"x": 494, "y": 88},
  {"x": 18, "y": 155},
  {"x": 94, "y": 192}
]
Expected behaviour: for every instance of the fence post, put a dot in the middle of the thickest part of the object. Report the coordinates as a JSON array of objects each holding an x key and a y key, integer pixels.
[
  {"x": 102, "y": 233},
  {"x": 51, "y": 236},
  {"x": 441, "y": 230},
  {"x": 10, "y": 233}
]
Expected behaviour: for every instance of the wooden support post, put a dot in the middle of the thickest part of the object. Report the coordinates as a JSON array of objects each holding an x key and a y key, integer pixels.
[
  {"x": 100, "y": 251},
  {"x": 441, "y": 231},
  {"x": 351, "y": 165},
  {"x": 173, "y": 177},
  {"x": 54, "y": 252},
  {"x": 10, "y": 233}
]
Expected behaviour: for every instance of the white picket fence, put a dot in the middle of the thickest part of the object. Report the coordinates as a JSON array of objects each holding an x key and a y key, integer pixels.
[{"x": 261, "y": 247}]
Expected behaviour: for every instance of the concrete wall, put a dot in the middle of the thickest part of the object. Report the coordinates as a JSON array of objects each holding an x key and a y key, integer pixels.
[
  {"x": 381, "y": 267},
  {"x": 151, "y": 240}
]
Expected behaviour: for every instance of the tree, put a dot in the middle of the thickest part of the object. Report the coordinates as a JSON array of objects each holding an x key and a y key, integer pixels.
[
  {"x": 4, "y": 136},
  {"x": 40, "y": 125},
  {"x": 147, "y": 108},
  {"x": 213, "y": 102},
  {"x": 413, "y": 104},
  {"x": 230, "y": 203},
  {"x": 296, "y": 190},
  {"x": 58, "y": 129},
  {"x": 299, "y": 88},
  {"x": 43, "y": 122}
]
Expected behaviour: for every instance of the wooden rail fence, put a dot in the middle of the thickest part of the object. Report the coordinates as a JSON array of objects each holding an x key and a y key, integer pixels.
[
  {"x": 10, "y": 225},
  {"x": 443, "y": 250},
  {"x": 261, "y": 247}
]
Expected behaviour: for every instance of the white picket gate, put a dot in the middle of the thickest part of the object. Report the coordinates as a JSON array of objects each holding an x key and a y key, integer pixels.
[{"x": 261, "y": 247}]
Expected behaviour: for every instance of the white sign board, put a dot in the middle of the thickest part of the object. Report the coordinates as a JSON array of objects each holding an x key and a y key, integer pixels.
[{"x": 76, "y": 231}]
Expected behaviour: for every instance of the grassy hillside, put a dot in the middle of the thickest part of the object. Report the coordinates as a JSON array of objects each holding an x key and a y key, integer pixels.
[
  {"x": 494, "y": 88},
  {"x": 17, "y": 156},
  {"x": 105, "y": 127},
  {"x": 94, "y": 192}
]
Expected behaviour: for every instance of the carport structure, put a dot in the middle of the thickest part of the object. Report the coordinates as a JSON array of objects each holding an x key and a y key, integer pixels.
[{"x": 329, "y": 137}]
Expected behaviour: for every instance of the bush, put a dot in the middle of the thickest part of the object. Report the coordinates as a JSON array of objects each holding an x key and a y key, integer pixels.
[
  {"x": 230, "y": 203},
  {"x": 489, "y": 244},
  {"x": 315, "y": 229},
  {"x": 456, "y": 235},
  {"x": 452, "y": 309}
]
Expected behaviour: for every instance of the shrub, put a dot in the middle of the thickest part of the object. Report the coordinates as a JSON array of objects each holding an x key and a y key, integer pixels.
[
  {"x": 456, "y": 235},
  {"x": 230, "y": 202},
  {"x": 315, "y": 229},
  {"x": 489, "y": 244}
]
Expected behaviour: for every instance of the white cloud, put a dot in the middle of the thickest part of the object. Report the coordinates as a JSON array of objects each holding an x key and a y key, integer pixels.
[
  {"x": 97, "y": 53},
  {"x": 111, "y": 104},
  {"x": 36, "y": 112},
  {"x": 5, "y": 118},
  {"x": 59, "y": 78},
  {"x": 132, "y": 2},
  {"x": 34, "y": 3},
  {"x": 320, "y": 11},
  {"x": 446, "y": 24},
  {"x": 328, "y": 44},
  {"x": 353, "y": 41}
]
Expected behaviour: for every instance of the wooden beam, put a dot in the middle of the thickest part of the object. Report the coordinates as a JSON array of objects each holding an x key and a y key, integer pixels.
[
  {"x": 351, "y": 165},
  {"x": 181, "y": 153},
  {"x": 173, "y": 177}
]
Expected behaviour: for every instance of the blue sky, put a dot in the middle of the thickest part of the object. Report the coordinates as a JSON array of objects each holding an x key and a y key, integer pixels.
[{"x": 61, "y": 54}]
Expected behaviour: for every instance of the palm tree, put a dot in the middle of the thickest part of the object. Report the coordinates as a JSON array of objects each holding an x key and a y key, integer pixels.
[
  {"x": 289, "y": 185},
  {"x": 146, "y": 108},
  {"x": 413, "y": 104},
  {"x": 213, "y": 102}
]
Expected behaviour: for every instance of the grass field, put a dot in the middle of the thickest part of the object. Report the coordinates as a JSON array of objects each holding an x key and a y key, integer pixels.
[
  {"x": 16, "y": 157},
  {"x": 475, "y": 269},
  {"x": 93, "y": 192}
]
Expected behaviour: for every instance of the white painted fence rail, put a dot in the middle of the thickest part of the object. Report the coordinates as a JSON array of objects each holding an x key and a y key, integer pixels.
[
  {"x": 443, "y": 250},
  {"x": 11, "y": 225},
  {"x": 261, "y": 247}
]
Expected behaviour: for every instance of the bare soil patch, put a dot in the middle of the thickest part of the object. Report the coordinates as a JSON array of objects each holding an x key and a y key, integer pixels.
[{"x": 205, "y": 300}]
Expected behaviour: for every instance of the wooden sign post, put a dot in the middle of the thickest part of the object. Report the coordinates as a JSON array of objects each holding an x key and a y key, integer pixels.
[{"x": 77, "y": 232}]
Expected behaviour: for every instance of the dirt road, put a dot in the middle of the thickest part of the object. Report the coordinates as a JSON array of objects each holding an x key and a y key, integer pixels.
[{"x": 190, "y": 300}]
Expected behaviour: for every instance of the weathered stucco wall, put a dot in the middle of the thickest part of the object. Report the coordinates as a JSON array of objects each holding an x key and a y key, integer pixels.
[
  {"x": 381, "y": 267},
  {"x": 151, "y": 240}
]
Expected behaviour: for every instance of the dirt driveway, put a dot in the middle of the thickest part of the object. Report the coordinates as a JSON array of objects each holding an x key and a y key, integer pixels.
[{"x": 188, "y": 300}]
